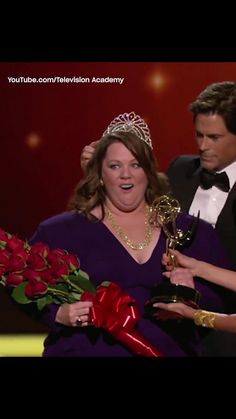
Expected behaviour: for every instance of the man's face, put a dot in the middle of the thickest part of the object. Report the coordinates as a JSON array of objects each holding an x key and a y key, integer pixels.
[{"x": 217, "y": 146}]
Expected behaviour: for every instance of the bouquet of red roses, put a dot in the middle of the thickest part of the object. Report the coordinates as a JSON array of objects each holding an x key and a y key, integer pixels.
[{"x": 36, "y": 274}]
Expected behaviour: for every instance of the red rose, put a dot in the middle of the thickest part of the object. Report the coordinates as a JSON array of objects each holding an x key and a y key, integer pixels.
[
  {"x": 4, "y": 257},
  {"x": 59, "y": 270},
  {"x": 72, "y": 261},
  {"x": 14, "y": 279},
  {"x": 3, "y": 235},
  {"x": 40, "y": 249},
  {"x": 35, "y": 288},
  {"x": 21, "y": 252},
  {"x": 14, "y": 243},
  {"x": 16, "y": 263},
  {"x": 56, "y": 256},
  {"x": 36, "y": 262},
  {"x": 47, "y": 276},
  {"x": 31, "y": 275}
]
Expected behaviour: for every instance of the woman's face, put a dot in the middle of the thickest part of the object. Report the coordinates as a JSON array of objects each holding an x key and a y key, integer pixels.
[{"x": 124, "y": 179}]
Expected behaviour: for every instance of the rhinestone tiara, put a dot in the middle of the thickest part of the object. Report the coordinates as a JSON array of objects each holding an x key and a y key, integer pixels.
[{"x": 130, "y": 122}]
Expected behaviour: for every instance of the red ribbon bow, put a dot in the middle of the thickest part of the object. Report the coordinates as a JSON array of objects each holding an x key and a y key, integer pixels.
[{"x": 117, "y": 312}]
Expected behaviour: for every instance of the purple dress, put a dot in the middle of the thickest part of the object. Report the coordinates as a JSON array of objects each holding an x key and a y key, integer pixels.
[{"x": 103, "y": 257}]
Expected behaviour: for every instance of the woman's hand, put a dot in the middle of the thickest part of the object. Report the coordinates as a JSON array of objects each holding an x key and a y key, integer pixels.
[
  {"x": 87, "y": 154},
  {"x": 180, "y": 276},
  {"x": 75, "y": 314},
  {"x": 181, "y": 260},
  {"x": 179, "y": 308}
]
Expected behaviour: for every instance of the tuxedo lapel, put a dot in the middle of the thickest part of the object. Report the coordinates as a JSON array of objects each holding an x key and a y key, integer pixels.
[
  {"x": 185, "y": 184},
  {"x": 187, "y": 193}
]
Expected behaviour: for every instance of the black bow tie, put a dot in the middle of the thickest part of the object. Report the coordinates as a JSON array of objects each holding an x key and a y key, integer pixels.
[{"x": 220, "y": 180}]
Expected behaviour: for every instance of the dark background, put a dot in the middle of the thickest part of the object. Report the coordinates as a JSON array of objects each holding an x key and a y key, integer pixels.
[{"x": 43, "y": 128}]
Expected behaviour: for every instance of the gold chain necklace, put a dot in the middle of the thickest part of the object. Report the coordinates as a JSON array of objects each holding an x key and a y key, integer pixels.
[{"x": 124, "y": 237}]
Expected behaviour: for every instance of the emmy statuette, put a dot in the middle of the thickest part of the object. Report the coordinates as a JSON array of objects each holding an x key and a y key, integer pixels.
[{"x": 164, "y": 212}]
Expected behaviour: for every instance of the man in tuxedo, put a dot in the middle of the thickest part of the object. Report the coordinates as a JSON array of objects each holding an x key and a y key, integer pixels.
[{"x": 208, "y": 182}]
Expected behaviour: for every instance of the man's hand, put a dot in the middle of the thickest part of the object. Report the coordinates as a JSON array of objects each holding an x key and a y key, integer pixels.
[{"x": 87, "y": 154}]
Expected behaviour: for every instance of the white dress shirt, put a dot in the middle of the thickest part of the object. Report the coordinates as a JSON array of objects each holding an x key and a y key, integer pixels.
[{"x": 210, "y": 202}]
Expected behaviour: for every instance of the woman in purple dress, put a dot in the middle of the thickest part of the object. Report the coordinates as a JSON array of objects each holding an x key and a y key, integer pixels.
[{"x": 108, "y": 229}]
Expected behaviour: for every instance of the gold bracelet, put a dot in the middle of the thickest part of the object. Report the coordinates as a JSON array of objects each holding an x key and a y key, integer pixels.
[{"x": 204, "y": 318}]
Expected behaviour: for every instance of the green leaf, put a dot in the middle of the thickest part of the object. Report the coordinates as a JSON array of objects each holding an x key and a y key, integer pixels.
[
  {"x": 3, "y": 280},
  {"x": 42, "y": 302},
  {"x": 3, "y": 244},
  {"x": 75, "y": 296},
  {"x": 60, "y": 286},
  {"x": 83, "y": 282},
  {"x": 83, "y": 274},
  {"x": 18, "y": 294}
]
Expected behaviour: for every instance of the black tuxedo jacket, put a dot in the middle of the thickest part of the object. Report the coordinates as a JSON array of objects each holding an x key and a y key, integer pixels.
[{"x": 184, "y": 179}]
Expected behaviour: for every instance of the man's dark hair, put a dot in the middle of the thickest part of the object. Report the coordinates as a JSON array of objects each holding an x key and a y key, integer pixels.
[{"x": 218, "y": 98}]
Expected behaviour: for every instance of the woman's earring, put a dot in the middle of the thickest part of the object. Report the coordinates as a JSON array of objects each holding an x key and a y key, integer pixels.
[{"x": 101, "y": 182}]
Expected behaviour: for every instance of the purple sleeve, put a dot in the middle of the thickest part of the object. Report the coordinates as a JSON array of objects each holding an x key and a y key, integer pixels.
[{"x": 208, "y": 247}]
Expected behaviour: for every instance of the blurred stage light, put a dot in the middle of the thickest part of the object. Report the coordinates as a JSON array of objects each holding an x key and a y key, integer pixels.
[
  {"x": 157, "y": 81},
  {"x": 33, "y": 140}
]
